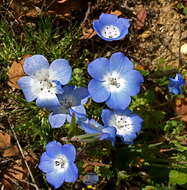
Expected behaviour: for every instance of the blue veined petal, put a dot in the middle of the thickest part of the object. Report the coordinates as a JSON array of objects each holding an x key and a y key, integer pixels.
[
  {"x": 71, "y": 173},
  {"x": 123, "y": 23},
  {"x": 106, "y": 116},
  {"x": 128, "y": 138},
  {"x": 99, "y": 68},
  {"x": 47, "y": 100},
  {"x": 136, "y": 119},
  {"x": 81, "y": 93},
  {"x": 120, "y": 63},
  {"x": 134, "y": 76},
  {"x": 60, "y": 70},
  {"x": 108, "y": 19},
  {"x": 69, "y": 151},
  {"x": 56, "y": 179},
  {"x": 57, "y": 120},
  {"x": 30, "y": 88},
  {"x": 118, "y": 100},
  {"x": 97, "y": 25},
  {"x": 79, "y": 111},
  {"x": 109, "y": 133},
  {"x": 97, "y": 91},
  {"x": 133, "y": 80},
  {"x": 35, "y": 63},
  {"x": 53, "y": 149},
  {"x": 69, "y": 118},
  {"x": 90, "y": 126},
  {"x": 46, "y": 164}
]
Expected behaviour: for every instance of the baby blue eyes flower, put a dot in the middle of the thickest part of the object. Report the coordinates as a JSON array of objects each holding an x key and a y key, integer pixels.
[
  {"x": 58, "y": 163},
  {"x": 109, "y": 27},
  {"x": 175, "y": 84},
  {"x": 71, "y": 103},
  {"x": 102, "y": 132},
  {"x": 44, "y": 81},
  {"x": 114, "y": 81},
  {"x": 127, "y": 124}
]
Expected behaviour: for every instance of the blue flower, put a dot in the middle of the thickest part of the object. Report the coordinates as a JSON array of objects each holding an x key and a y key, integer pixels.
[
  {"x": 127, "y": 124},
  {"x": 102, "y": 132},
  {"x": 71, "y": 103},
  {"x": 44, "y": 81},
  {"x": 114, "y": 81},
  {"x": 109, "y": 27},
  {"x": 175, "y": 84},
  {"x": 58, "y": 163}
]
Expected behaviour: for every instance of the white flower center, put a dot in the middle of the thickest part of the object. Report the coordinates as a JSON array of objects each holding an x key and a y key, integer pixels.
[
  {"x": 122, "y": 123},
  {"x": 113, "y": 82},
  {"x": 60, "y": 163},
  {"x": 42, "y": 82},
  {"x": 110, "y": 31}
]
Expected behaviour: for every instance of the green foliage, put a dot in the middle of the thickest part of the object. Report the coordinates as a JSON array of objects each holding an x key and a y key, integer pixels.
[
  {"x": 182, "y": 7},
  {"x": 177, "y": 177}
]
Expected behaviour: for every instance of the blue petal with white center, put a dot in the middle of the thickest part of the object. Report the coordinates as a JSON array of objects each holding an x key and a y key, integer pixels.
[
  {"x": 58, "y": 163},
  {"x": 119, "y": 81},
  {"x": 34, "y": 64},
  {"x": 109, "y": 27},
  {"x": 175, "y": 84},
  {"x": 70, "y": 104},
  {"x": 127, "y": 124},
  {"x": 44, "y": 81}
]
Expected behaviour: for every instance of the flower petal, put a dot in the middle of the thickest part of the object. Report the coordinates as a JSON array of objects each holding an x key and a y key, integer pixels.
[
  {"x": 97, "y": 91},
  {"x": 108, "y": 19},
  {"x": 71, "y": 173},
  {"x": 35, "y": 63},
  {"x": 57, "y": 120},
  {"x": 118, "y": 100},
  {"x": 98, "y": 68},
  {"x": 30, "y": 88},
  {"x": 45, "y": 163},
  {"x": 79, "y": 111},
  {"x": 47, "y": 100},
  {"x": 53, "y": 149},
  {"x": 69, "y": 151},
  {"x": 60, "y": 70},
  {"x": 56, "y": 179},
  {"x": 106, "y": 116},
  {"x": 81, "y": 93},
  {"x": 120, "y": 63}
]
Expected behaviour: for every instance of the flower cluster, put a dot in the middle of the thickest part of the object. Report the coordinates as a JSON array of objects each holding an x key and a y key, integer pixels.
[{"x": 114, "y": 81}]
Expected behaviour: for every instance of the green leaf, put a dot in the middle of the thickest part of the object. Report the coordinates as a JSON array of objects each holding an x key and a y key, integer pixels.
[
  {"x": 185, "y": 11},
  {"x": 177, "y": 177}
]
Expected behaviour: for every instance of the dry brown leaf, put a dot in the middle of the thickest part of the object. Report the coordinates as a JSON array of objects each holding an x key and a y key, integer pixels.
[
  {"x": 13, "y": 175},
  {"x": 15, "y": 72},
  {"x": 87, "y": 33},
  {"x": 12, "y": 151},
  {"x": 141, "y": 16},
  {"x": 4, "y": 140},
  {"x": 116, "y": 12},
  {"x": 5, "y": 145},
  {"x": 181, "y": 108},
  {"x": 62, "y": 1}
]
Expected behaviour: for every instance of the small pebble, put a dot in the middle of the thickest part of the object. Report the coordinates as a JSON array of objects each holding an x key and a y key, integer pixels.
[{"x": 184, "y": 49}]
